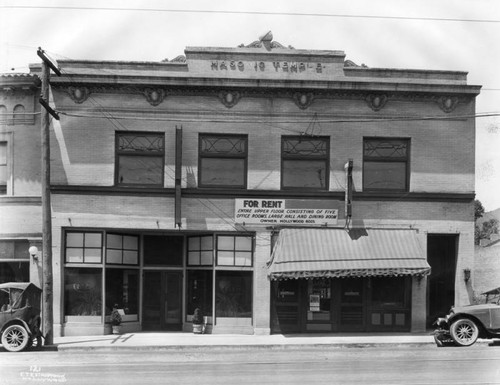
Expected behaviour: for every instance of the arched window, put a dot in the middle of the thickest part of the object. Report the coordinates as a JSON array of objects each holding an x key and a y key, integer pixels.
[
  {"x": 19, "y": 114},
  {"x": 3, "y": 115}
]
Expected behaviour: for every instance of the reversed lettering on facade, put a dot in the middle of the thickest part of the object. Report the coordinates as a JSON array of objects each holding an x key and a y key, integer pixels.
[{"x": 279, "y": 66}]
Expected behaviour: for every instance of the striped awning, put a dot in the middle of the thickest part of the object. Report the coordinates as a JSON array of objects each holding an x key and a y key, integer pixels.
[{"x": 330, "y": 253}]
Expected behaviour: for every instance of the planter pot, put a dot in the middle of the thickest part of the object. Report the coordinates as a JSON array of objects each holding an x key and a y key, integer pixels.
[
  {"x": 116, "y": 329},
  {"x": 198, "y": 329}
]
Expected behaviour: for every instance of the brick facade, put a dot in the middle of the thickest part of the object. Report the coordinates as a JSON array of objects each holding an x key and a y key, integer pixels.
[{"x": 320, "y": 96}]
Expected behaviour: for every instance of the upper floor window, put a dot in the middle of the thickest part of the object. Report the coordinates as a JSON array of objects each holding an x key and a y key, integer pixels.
[
  {"x": 305, "y": 162},
  {"x": 3, "y": 168},
  {"x": 223, "y": 160},
  {"x": 3, "y": 114},
  {"x": 19, "y": 114},
  {"x": 386, "y": 164},
  {"x": 140, "y": 158}
]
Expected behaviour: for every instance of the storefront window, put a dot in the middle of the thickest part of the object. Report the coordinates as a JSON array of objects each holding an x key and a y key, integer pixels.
[
  {"x": 82, "y": 292},
  {"x": 122, "y": 288},
  {"x": 233, "y": 294},
  {"x": 15, "y": 271},
  {"x": 14, "y": 261},
  {"x": 199, "y": 292},
  {"x": 388, "y": 292}
]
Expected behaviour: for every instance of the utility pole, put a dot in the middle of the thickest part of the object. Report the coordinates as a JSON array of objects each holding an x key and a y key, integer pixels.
[{"x": 47, "y": 285}]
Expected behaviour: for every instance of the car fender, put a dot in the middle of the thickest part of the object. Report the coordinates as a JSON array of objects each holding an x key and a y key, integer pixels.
[{"x": 18, "y": 322}]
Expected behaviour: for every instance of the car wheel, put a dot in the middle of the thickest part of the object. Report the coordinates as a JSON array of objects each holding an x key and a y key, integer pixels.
[
  {"x": 464, "y": 332},
  {"x": 15, "y": 338}
]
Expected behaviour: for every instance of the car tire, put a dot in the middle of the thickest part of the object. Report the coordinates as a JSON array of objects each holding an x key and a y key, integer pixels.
[
  {"x": 15, "y": 338},
  {"x": 464, "y": 332}
]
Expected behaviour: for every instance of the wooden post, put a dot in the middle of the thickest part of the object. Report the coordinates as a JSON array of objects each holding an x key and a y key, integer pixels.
[
  {"x": 47, "y": 284},
  {"x": 47, "y": 297}
]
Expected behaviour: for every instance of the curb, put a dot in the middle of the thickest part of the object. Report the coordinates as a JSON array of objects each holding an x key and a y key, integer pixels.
[{"x": 236, "y": 348}]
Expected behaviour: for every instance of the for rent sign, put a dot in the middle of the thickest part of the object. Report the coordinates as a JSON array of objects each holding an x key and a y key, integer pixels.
[{"x": 283, "y": 212}]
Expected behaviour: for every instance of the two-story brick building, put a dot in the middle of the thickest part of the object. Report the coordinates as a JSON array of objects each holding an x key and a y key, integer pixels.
[{"x": 277, "y": 189}]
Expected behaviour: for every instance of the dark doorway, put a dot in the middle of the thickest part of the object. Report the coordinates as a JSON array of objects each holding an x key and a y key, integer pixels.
[
  {"x": 442, "y": 257},
  {"x": 162, "y": 301},
  {"x": 352, "y": 304},
  {"x": 285, "y": 306}
]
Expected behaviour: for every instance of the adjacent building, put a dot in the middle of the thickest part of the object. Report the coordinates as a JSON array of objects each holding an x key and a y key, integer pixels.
[
  {"x": 277, "y": 189},
  {"x": 20, "y": 189}
]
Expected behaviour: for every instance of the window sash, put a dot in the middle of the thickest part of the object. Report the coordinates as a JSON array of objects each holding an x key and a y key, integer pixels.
[
  {"x": 304, "y": 174},
  {"x": 234, "y": 250},
  {"x": 219, "y": 146},
  {"x": 83, "y": 247},
  {"x": 143, "y": 143},
  {"x": 140, "y": 159},
  {"x": 305, "y": 162},
  {"x": 386, "y": 164},
  {"x": 293, "y": 147},
  {"x": 122, "y": 249},
  {"x": 222, "y": 161},
  {"x": 200, "y": 251}
]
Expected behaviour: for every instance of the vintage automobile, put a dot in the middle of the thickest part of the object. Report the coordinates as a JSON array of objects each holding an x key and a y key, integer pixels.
[
  {"x": 465, "y": 324},
  {"x": 20, "y": 316}
]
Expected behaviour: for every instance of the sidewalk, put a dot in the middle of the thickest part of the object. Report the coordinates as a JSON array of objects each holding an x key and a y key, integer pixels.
[{"x": 190, "y": 341}]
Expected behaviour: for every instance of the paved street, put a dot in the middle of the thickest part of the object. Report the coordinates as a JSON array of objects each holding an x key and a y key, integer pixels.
[{"x": 479, "y": 364}]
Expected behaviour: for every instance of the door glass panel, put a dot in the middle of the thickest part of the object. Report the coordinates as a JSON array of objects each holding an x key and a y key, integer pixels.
[
  {"x": 286, "y": 304},
  {"x": 351, "y": 298},
  {"x": 320, "y": 295},
  {"x": 173, "y": 304},
  {"x": 152, "y": 301}
]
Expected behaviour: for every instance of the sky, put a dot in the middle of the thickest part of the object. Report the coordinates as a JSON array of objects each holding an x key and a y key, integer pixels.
[{"x": 460, "y": 35}]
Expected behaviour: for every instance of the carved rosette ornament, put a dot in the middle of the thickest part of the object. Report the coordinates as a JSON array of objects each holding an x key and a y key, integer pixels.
[
  {"x": 78, "y": 94},
  {"x": 447, "y": 103},
  {"x": 154, "y": 96},
  {"x": 376, "y": 101},
  {"x": 303, "y": 99},
  {"x": 229, "y": 98}
]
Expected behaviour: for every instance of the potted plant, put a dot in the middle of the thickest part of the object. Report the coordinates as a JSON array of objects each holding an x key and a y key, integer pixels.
[
  {"x": 116, "y": 320},
  {"x": 198, "y": 322}
]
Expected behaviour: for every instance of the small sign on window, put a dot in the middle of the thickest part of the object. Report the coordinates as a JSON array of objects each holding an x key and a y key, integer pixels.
[{"x": 314, "y": 302}]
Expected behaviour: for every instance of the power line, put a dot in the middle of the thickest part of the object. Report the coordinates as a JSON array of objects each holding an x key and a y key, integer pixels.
[{"x": 257, "y": 13}]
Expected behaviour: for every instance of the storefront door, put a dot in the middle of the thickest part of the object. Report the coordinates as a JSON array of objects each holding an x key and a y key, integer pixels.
[
  {"x": 352, "y": 304},
  {"x": 286, "y": 305},
  {"x": 162, "y": 300}
]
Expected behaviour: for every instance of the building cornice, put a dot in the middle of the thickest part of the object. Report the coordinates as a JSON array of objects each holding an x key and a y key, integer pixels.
[{"x": 375, "y": 95}]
